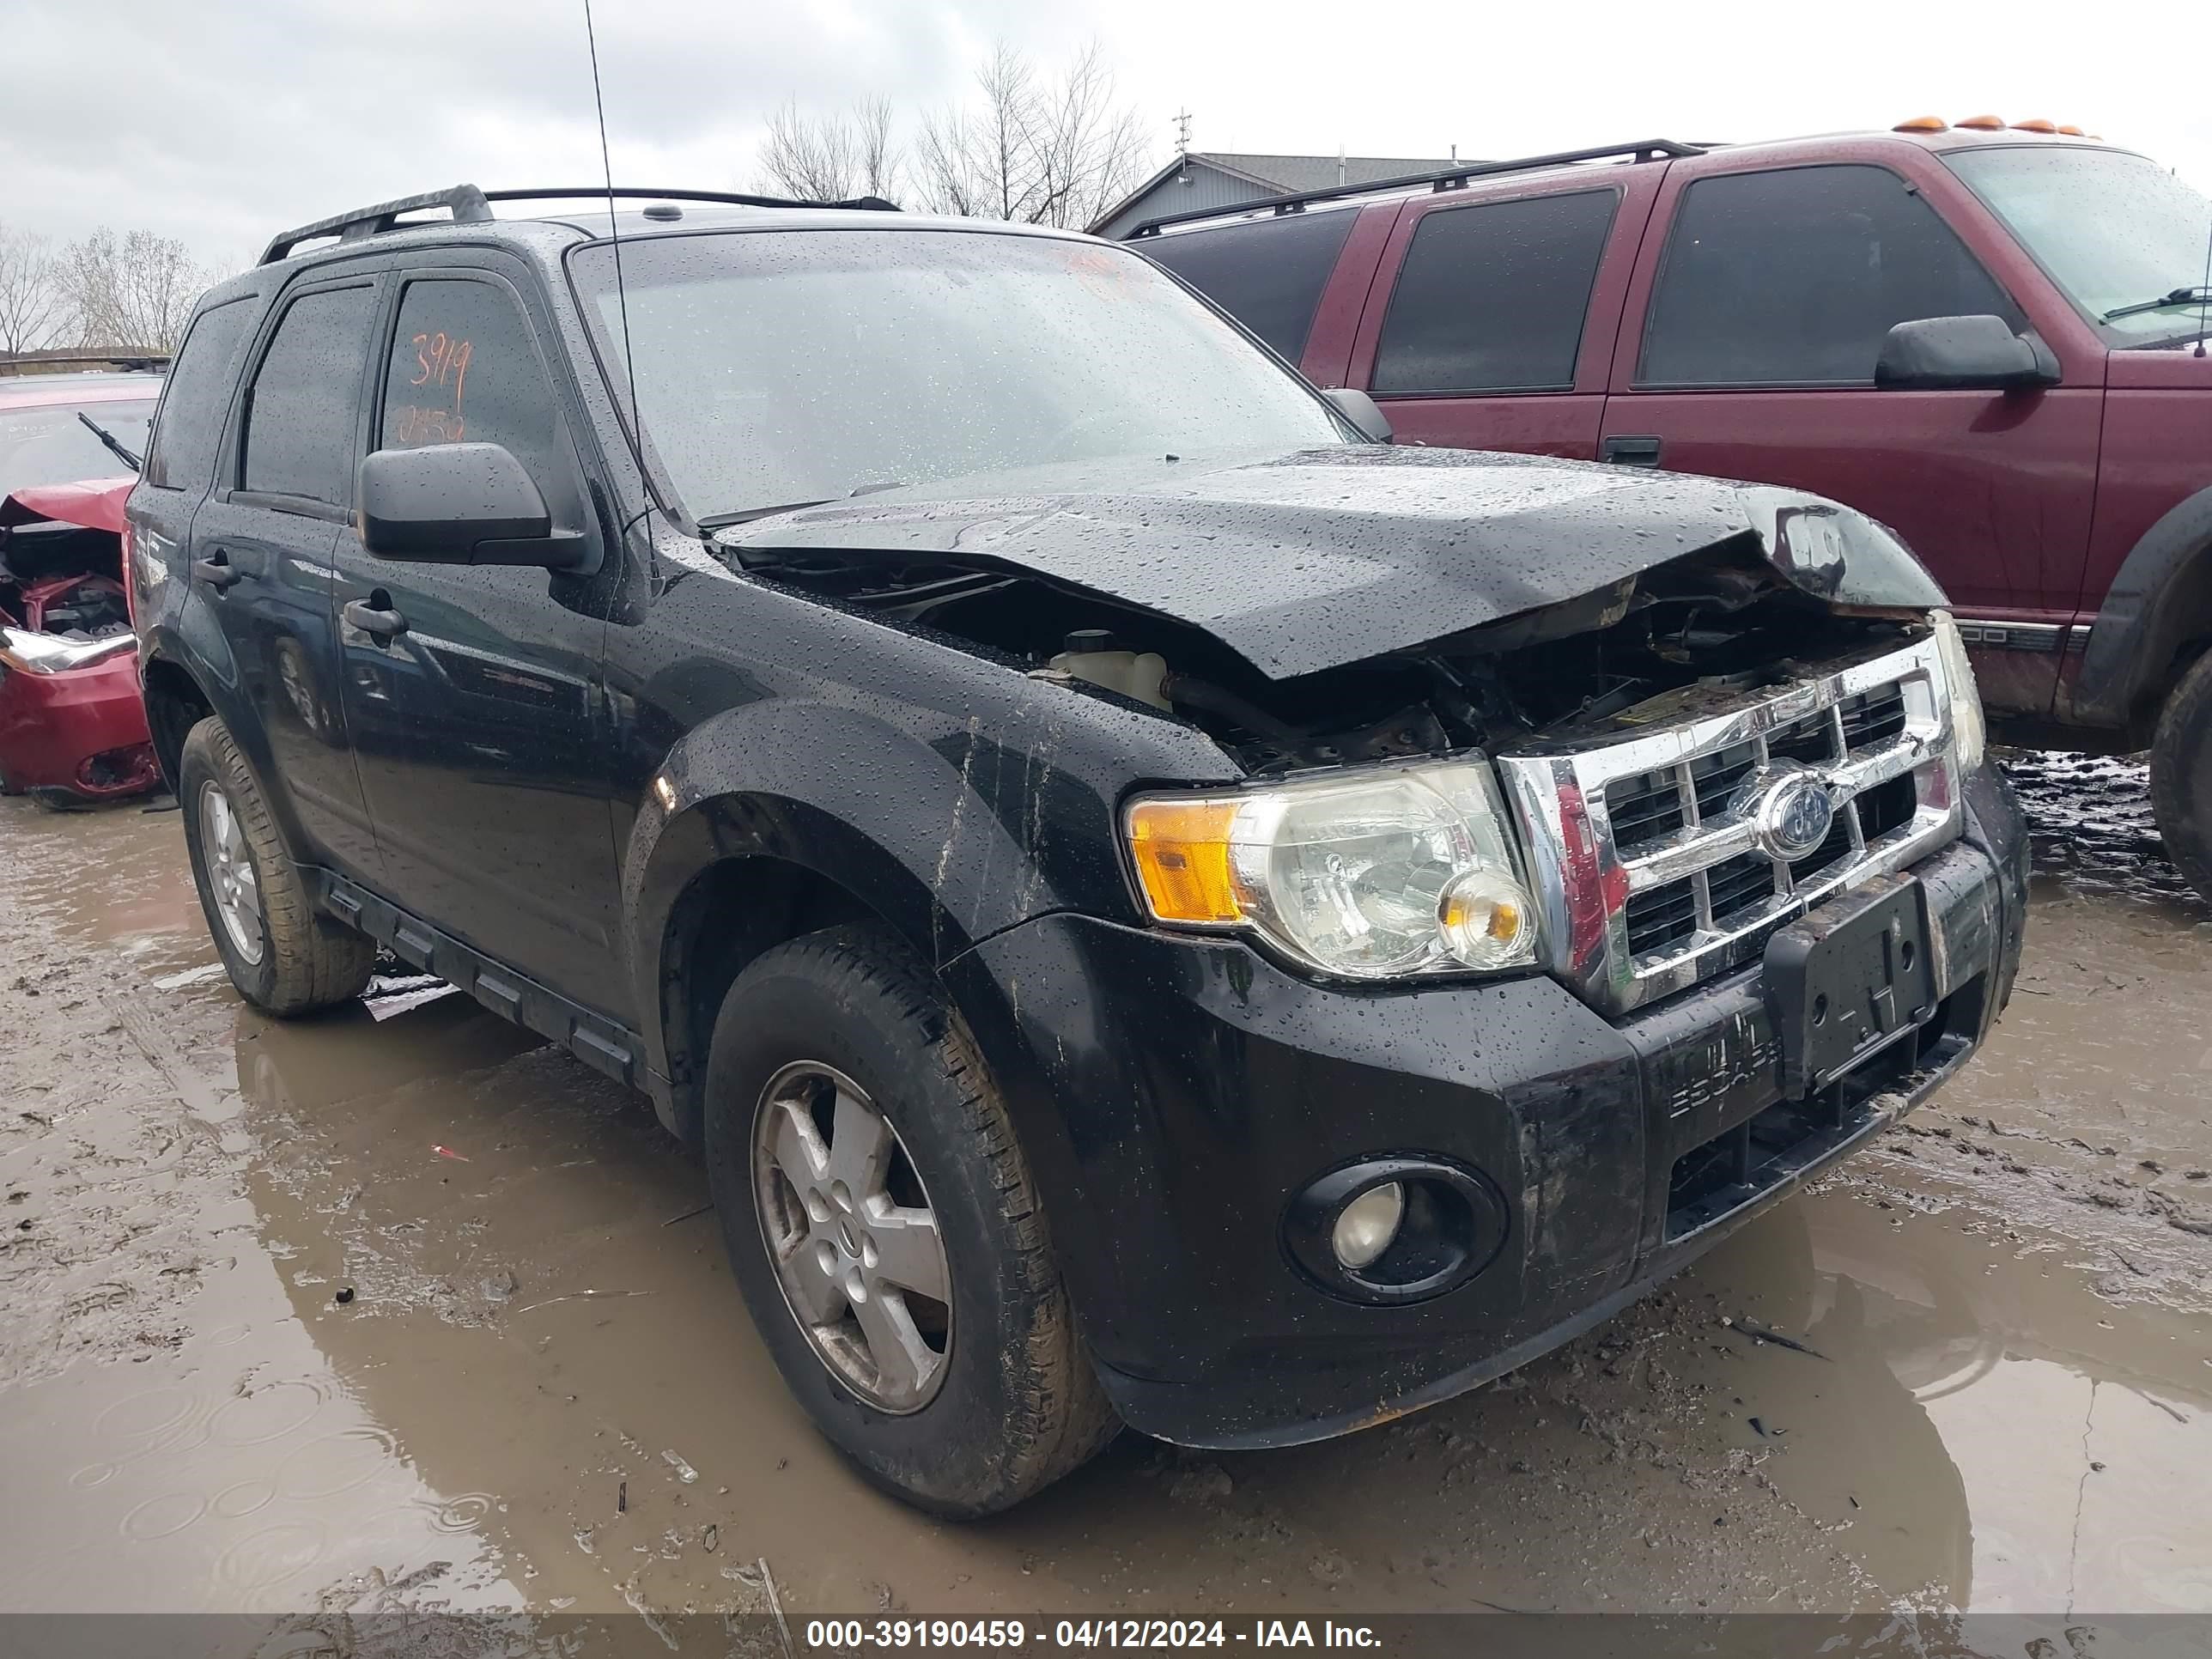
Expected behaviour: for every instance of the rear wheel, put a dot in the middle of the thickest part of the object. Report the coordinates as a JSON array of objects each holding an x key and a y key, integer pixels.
[
  {"x": 283, "y": 956},
  {"x": 2181, "y": 775},
  {"x": 886, "y": 1231}
]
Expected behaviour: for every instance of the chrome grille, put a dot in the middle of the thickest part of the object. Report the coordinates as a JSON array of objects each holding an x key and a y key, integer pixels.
[{"x": 1654, "y": 873}]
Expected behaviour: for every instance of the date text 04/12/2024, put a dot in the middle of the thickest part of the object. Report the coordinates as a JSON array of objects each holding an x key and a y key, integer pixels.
[{"x": 854, "y": 1635}]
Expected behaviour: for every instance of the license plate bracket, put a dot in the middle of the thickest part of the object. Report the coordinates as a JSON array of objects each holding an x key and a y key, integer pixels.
[{"x": 1847, "y": 977}]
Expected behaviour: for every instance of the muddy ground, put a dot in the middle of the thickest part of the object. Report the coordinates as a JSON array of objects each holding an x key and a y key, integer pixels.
[{"x": 542, "y": 1393}]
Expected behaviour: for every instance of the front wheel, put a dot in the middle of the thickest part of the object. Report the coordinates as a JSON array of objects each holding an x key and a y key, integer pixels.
[
  {"x": 2181, "y": 775},
  {"x": 283, "y": 957},
  {"x": 886, "y": 1231}
]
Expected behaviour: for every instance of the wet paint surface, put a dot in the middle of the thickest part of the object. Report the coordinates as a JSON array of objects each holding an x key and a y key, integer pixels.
[{"x": 2007, "y": 1307}]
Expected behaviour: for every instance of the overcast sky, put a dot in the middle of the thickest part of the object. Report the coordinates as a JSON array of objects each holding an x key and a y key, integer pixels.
[{"x": 219, "y": 121}]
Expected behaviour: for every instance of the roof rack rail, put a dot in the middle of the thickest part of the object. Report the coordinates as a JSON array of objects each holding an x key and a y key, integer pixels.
[
  {"x": 873, "y": 204},
  {"x": 471, "y": 206},
  {"x": 467, "y": 202},
  {"x": 1648, "y": 150}
]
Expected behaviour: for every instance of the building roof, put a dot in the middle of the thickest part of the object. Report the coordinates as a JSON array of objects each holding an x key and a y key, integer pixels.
[{"x": 1281, "y": 175}]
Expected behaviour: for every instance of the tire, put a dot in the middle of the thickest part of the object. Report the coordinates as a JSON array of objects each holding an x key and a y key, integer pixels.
[
  {"x": 1012, "y": 1403},
  {"x": 289, "y": 960},
  {"x": 2181, "y": 775}
]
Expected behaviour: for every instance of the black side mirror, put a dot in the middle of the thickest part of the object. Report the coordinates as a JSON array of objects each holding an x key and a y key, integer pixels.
[
  {"x": 1362, "y": 411},
  {"x": 460, "y": 504},
  {"x": 1962, "y": 353}
]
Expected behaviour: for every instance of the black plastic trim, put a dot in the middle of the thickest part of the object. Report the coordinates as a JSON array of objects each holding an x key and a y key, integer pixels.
[{"x": 604, "y": 1044}]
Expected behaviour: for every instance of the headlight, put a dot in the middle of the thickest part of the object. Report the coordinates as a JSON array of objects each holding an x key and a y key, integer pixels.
[
  {"x": 1386, "y": 872},
  {"x": 45, "y": 653},
  {"x": 1969, "y": 731}
]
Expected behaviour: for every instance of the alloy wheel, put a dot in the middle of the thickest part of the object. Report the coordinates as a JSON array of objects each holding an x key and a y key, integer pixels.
[
  {"x": 850, "y": 1231},
  {"x": 233, "y": 882}
]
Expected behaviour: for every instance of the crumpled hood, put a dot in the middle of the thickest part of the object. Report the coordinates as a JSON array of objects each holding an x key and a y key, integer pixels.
[{"x": 1307, "y": 560}]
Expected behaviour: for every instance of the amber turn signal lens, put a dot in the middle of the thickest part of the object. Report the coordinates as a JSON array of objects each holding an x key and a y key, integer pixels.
[
  {"x": 2073, "y": 132},
  {"x": 1923, "y": 124},
  {"x": 1985, "y": 123},
  {"x": 2039, "y": 125},
  {"x": 1182, "y": 853}
]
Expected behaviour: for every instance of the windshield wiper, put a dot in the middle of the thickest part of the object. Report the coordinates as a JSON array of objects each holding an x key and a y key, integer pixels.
[
  {"x": 2179, "y": 296},
  {"x": 723, "y": 521},
  {"x": 136, "y": 463}
]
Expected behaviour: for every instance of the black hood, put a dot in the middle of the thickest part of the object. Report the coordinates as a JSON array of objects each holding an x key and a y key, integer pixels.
[{"x": 1305, "y": 562}]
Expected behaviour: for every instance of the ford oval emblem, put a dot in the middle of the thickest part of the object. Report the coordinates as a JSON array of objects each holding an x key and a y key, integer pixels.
[{"x": 1793, "y": 815}]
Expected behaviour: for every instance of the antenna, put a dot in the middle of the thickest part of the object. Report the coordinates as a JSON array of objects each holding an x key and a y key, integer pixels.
[
  {"x": 2204, "y": 296},
  {"x": 614, "y": 236},
  {"x": 1182, "y": 135}
]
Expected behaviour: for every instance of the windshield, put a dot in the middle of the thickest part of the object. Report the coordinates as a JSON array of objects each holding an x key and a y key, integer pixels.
[
  {"x": 777, "y": 367},
  {"x": 2112, "y": 229},
  {"x": 49, "y": 444}
]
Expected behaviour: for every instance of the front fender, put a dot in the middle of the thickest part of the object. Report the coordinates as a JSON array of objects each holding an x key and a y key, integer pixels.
[
  {"x": 2165, "y": 582},
  {"x": 951, "y": 838}
]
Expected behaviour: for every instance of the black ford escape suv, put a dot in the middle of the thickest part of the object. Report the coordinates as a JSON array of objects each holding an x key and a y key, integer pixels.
[{"x": 1155, "y": 907}]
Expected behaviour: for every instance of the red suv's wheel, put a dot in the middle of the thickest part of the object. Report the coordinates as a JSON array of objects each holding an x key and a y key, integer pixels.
[{"x": 2181, "y": 775}]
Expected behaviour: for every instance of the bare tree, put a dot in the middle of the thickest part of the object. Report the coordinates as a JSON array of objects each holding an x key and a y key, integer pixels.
[
  {"x": 1044, "y": 149},
  {"x": 34, "y": 308},
  {"x": 831, "y": 158},
  {"x": 135, "y": 289}
]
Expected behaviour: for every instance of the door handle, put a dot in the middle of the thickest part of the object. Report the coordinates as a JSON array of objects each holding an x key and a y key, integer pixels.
[
  {"x": 1623, "y": 450},
  {"x": 217, "y": 571},
  {"x": 380, "y": 620}
]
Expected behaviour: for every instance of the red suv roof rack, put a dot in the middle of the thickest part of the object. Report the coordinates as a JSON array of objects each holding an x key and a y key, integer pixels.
[{"x": 1648, "y": 150}]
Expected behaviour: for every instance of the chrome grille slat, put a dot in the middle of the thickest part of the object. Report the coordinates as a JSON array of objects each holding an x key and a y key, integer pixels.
[{"x": 1652, "y": 877}]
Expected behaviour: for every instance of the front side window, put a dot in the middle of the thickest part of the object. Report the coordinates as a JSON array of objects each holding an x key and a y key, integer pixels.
[
  {"x": 1268, "y": 274},
  {"x": 298, "y": 438},
  {"x": 2117, "y": 232},
  {"x": 464, "y": 369},
  {"x": 1492, "y": 297},
  {"x": 1796, "y": 276},
  {"x": 789, "y": 367},
  {"x": 197, "y": 396}
]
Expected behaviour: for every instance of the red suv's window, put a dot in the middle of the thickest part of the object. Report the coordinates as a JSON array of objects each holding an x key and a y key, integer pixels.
[
  {"x": 1794, "y": 277},
  {"x": 1492, "y": 296},
  {"x": 1268, "y": 274}
]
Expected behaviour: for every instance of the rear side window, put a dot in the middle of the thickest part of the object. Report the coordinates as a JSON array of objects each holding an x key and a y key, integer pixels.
[
  {"x": 300, "y": 416},
  {"x": 1268, "y": 275},
  {"x": 1492, "y": 297},
  {"x": 198, "y": 396},
  {"x": 1793, "y": 278},
  {"x": 463, "y": 370}
]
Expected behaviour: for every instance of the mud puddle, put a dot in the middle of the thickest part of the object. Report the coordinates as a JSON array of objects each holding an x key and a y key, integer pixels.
[{"x": 407, "y": 1311}]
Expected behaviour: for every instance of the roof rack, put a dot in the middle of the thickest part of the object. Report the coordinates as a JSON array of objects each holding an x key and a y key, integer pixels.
[
  {"x": 1648, "y": 150},
  {"x": 472, "y": 206},
  {"x": 468, "y": 205},
  {"x": 869, "y": 204}
]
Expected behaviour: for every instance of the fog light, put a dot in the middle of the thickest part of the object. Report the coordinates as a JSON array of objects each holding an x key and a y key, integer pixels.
[{"x": 1366, "y": 1226}]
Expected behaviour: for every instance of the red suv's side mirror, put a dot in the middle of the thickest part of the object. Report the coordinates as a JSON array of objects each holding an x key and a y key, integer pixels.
[{"x": 1962, "y": 353}]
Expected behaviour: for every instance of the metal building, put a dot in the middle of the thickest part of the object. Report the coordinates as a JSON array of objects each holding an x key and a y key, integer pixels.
[{"x": 1214, "y": 179}]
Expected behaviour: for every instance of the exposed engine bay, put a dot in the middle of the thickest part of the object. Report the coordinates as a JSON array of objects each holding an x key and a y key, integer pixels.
[
  {"x": 1722, "y": 617},
  {"x": 61, "y": 589}
]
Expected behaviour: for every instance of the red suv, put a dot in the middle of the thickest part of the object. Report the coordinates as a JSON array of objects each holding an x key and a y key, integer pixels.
[{"x": 1990, "y": 337}]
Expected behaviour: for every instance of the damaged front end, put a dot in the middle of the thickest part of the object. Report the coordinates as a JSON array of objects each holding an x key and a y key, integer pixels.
[
  {"x": 72, "y": 723},
  {"x": 1656, "y": 668}
]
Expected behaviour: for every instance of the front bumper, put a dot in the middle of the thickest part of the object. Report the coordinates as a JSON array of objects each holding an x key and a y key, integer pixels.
[
  {"x": 1175, "y": 1094},
  {"x": 81, "y": 732}
]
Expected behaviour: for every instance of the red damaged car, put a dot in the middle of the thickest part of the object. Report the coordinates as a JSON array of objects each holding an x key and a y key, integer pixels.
[{"x": 72, "y": 725}]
